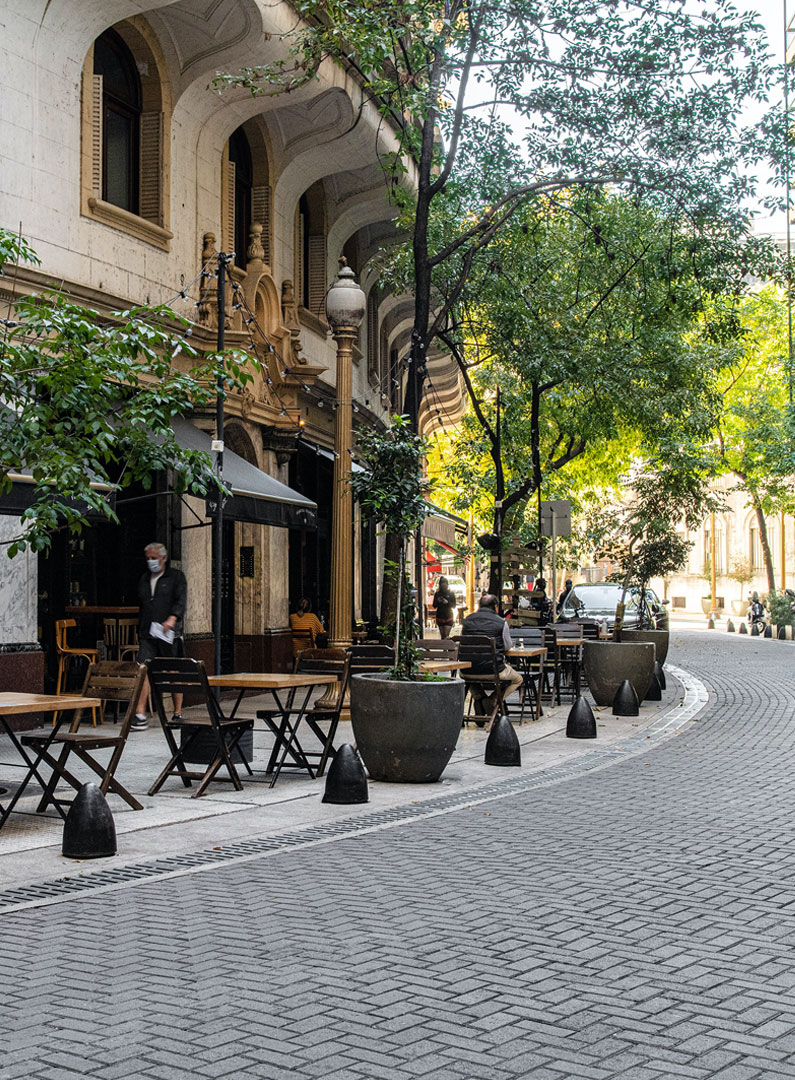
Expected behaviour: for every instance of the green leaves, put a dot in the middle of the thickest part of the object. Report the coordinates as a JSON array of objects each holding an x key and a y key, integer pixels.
[
  {"x": 88, "y": 402},
  {"x": 391, "y": 488}
]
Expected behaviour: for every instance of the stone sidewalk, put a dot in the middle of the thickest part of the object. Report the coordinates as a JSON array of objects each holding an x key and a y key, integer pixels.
[{"x": 172, "y": 822}]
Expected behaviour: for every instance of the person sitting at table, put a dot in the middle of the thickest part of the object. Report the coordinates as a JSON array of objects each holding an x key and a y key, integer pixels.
[
  {"x": 486, "y": 621},
  {"x": 305, "y": 622}
]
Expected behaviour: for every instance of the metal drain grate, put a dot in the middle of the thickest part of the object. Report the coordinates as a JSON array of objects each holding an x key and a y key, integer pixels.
[{"x": 53, "y": 891}]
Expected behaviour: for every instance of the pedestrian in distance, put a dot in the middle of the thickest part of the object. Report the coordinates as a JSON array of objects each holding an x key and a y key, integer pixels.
[
  {"x": 444, "y": 608},
  {"x": 162, "y": 601}
]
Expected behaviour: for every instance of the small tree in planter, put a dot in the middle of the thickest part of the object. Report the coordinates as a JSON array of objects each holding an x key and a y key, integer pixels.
[
  {"x": 406, "y": 724},
  {"x": 646, "y": 542},
  {"x": 741, "y": 571}
]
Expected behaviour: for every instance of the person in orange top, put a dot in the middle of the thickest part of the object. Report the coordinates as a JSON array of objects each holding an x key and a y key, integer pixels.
[{"x": 304, "y": 619}]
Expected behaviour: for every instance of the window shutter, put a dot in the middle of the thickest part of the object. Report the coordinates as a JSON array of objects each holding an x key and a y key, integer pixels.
[
  {"x": 261, "y": 215},
  {"x": 317, "y": 274},
  {"x": 150, "y": 198},
  {"x": 228, "y": 205},
  {"x": 97, "y": 109},
  {"x": 299, "y": 262}
]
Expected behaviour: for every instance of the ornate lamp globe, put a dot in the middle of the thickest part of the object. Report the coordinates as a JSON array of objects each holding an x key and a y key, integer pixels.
[{"x": 345, "y": 302}]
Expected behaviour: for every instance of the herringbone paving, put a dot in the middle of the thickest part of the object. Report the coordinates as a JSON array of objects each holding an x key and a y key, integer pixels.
[{"x": 635, "y": 921}]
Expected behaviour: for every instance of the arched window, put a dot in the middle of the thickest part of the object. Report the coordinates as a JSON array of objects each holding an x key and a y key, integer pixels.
[
  {"x": 121, "y": 121},
  {"x": 245, "y": 193},
  {"x": 126, "y": 110}
]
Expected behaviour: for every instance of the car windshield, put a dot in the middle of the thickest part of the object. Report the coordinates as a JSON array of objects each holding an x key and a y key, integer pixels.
[{"x": 598, "y": 599}]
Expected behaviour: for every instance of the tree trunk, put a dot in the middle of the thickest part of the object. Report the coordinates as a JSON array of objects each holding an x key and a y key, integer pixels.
[
  {"x": 763, "y": 539},
  {"x": 389, "y": 591}
]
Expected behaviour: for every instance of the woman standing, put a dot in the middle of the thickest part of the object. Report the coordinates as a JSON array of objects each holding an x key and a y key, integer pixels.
[{"x": 444, "y": 607}]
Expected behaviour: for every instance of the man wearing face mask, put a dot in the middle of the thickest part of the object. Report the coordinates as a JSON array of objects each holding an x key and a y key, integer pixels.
[{"x": 162, "y": 597}]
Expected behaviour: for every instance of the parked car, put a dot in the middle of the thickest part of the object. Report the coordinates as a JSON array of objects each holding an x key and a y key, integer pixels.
[{"x": 599, "y": 602}]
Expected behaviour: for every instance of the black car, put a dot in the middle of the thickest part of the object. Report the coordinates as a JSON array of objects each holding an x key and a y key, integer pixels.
[{"x": 642, "y": 611}]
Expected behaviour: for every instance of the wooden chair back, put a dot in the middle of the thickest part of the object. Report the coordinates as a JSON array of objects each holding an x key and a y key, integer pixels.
[
  {"x": 480, "y": 652},
  {"x": 438, "y": 648},
  {"x": 113, "y": 681},
  {"x": 61, "y": 627},
  {"x": 365, "y": 658},
  {"x": 182, "y": 675},
  {"x": 327, "y": 662},
  {"x": 527, "y": 635}
]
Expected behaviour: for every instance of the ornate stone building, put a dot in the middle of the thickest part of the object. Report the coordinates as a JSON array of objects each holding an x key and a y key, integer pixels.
[{"x": 128, "y": 174}]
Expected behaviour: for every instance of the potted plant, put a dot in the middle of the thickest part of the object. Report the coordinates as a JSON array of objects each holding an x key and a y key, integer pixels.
[
  {"x": 741, "y": 571},
  {"x": 406, "y": 724}
]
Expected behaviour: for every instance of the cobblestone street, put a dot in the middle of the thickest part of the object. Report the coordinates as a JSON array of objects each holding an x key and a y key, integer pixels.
[{"x": 634, "y": 921}]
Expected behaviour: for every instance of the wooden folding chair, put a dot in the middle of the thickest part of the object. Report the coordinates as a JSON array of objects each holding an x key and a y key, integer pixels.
[
  {"x": 326, "y": 709},
  {"x": 367, "y": 658},
  {"x": 184, "y": 675},
  {"x": 111, "y": 681},
  {"x": 438, "y": 648},
  {"x": 480, "y": 652}
]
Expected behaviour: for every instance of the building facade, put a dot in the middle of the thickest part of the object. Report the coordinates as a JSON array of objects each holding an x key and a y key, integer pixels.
[{"x": 128, "y": 174}]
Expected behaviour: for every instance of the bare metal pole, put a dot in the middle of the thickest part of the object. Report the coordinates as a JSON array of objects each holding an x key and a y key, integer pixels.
[{"x": 218, "y": 524}]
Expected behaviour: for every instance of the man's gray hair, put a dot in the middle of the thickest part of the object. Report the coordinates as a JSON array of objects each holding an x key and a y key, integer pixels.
[{"x": 158, "y": 547}]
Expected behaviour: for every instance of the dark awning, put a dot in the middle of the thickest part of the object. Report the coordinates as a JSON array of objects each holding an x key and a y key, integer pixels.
[
  {"x": 256, "y": 497},
  {"x": 24, "y": 491}
]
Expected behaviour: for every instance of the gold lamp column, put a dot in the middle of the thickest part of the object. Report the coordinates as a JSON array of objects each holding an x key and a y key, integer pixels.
[{"x": 345, "y": 308}]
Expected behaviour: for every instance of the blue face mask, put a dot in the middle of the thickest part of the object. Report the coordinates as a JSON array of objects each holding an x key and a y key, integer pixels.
[{"x": 154, "y": 565}]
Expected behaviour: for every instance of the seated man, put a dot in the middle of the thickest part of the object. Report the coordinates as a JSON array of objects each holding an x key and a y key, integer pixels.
[{"x": 486, "y": 621}]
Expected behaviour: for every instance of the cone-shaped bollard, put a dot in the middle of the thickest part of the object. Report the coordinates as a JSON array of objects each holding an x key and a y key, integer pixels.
[
  {"x": 754, "y": 631},
  {"x": 711, "y": 624},
  {"x": 89, "y": 831},
  {"x": 581, "y": 723},
  {"x": 658, "y": 671},
  {"x": 782, "y": 633},
  {"x": 730, "y": 627},
  {"x": 654, "y": 693},
  {"x": 502, "y": 745},
  {"x": 625, "y": 703},
  {"x": 743, "y": 628},
  {"x": 768, "y": 631},
  {"x": 346, "y": 781}
]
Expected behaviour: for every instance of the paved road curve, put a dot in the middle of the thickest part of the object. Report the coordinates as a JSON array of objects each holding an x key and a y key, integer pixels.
[{"x": 635, "y": 922}]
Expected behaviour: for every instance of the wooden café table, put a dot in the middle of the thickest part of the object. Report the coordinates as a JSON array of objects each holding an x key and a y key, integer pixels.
[
  {"x": 14, "y": 704},
  {"x": 435, "y": 667},
  {"x": 285, "y": 729}
]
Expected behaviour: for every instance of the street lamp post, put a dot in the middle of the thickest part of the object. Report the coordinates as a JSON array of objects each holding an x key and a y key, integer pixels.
[{"x": 345, "y": 309}]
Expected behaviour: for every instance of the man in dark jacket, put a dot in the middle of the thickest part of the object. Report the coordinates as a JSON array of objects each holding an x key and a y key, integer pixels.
[
  {"x": 486, "y": 621},
  {"x": 162, "y": 598}
]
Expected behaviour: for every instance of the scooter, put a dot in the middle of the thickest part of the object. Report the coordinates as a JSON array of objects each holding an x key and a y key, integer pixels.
[{"x": 757, "y": 617}]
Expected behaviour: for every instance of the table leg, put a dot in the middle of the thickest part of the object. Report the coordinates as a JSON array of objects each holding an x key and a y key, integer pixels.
[{"x": 33, "y": 767}]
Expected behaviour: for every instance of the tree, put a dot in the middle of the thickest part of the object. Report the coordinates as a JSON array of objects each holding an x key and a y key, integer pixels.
[
  {"x": 88, "y": 401},
  {"x": 604, "y": 327},
  {"x": 391, "y": 491},
  {"x": 757, "y": 426},
  {"x": 494, "y": 102},
  {"x": 667, "y": 493}
]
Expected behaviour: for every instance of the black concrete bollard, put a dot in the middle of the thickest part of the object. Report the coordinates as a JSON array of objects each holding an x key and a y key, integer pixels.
[
  {"x": 754, "y": 631},
  {"x": 658, "y": 671},
  {"x": 346, "y": 781},
  {"x": 89, "y": 831},
  {"x": 502, "y": 745},
  {"x": 730, "y": 627},
  {"x": 625, "y": 702},
  {"x": 581, "y": 723},
  {"x": 743, "y": 628},
  {"x": 654, "y": 693},
  {"x": 768, "y": 631},
  {"x": 711, "y": 624},
  {"x": 782, "y": 633}
]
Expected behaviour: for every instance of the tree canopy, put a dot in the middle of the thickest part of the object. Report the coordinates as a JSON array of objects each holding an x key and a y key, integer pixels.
[{"x": 87, "y": 402}]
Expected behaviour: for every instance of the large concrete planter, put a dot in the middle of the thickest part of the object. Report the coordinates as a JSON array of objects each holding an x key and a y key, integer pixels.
[
  {"x": 406, "y": 732},
  {"x": 608, "y": 663},
  {"x": 658, "y": 638}
]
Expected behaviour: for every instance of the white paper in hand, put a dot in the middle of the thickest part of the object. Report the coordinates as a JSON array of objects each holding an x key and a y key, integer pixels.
[{"x": 156, "y": 631}]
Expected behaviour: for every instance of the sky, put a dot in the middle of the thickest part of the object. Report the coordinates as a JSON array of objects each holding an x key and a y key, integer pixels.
[{"x": 771, "y": 14}]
